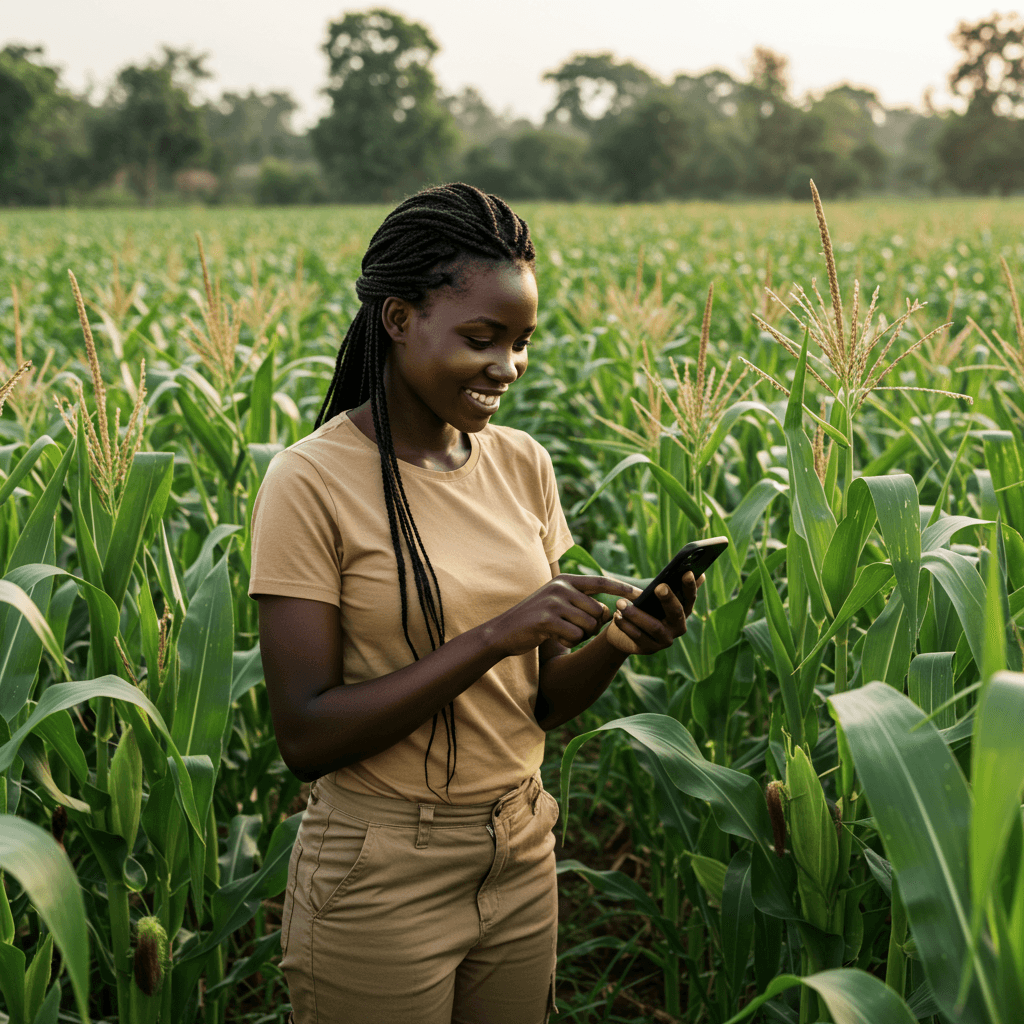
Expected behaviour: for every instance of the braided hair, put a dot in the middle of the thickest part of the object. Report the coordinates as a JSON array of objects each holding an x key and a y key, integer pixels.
[{"x": 422, "y": 245}]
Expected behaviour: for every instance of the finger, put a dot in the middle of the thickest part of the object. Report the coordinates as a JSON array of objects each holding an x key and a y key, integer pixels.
[
  {"x": 655, "y": 629},
  {"x": 700, "y": 581},
  {"x": 588, "y": 623},
  {"x": 589, "y": 605},
  {"x": 603, "y": 585},
  {"x": 636, "y": 640},
  {"x": 675, "y": 611},
  {"x": 688, "y": 592}
]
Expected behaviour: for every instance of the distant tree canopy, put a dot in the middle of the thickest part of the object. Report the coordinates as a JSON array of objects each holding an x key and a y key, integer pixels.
[
  {"x": 615, "y": 131},
  {"x": 387, "y": 131},
  {"x": 982, "y": 150}
]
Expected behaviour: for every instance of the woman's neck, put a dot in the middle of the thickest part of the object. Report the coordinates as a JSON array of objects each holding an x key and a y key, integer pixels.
[{"x": 430, "y": 445}]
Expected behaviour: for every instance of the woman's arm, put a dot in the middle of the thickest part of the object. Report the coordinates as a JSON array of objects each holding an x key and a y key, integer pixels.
[
  {"x": 571, "y": 682},
  {"x": 322, "y": 725}
]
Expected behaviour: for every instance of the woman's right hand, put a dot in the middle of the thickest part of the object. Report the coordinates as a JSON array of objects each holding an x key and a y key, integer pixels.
[{"x": 561, "y": 610}]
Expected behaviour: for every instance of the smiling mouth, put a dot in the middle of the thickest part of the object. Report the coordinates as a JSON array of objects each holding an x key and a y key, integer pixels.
[{"x": 489, "y": 402}]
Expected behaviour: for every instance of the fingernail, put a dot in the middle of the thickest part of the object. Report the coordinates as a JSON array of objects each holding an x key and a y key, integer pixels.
[
  {"x": 617, "y": 616},
  {"x": 663, "y": 591},
  {"x": 621, "y": 603}
]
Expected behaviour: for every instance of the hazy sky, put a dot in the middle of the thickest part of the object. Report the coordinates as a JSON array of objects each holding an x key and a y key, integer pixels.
[{"x": 898, "y": 47}]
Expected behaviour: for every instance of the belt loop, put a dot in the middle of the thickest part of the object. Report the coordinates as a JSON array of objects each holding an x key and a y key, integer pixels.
[{"x": 426, "y": 820}]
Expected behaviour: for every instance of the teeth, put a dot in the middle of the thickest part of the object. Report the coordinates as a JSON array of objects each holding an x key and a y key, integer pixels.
[{"x": 491, "y": 401}]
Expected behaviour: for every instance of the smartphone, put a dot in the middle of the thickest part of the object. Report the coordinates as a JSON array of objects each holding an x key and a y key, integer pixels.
[{"x": 695, "y": 557}]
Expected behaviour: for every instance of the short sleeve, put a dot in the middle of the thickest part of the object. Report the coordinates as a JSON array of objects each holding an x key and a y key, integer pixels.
[
  {"x": 296, "y": 545},
  {"x": 557, "y": 538}
]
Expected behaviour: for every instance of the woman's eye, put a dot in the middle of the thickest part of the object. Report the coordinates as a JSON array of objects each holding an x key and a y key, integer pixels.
[{"x": 521, "y": 345}]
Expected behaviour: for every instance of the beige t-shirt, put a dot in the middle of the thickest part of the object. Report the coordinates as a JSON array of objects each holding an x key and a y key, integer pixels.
[{"x": 490, "y": 528}]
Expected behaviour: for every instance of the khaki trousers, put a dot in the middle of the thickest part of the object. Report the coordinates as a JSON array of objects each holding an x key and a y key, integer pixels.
[{"x": 403, "y": 913}]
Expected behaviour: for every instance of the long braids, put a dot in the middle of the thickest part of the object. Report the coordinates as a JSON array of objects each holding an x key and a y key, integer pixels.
[{"x": 416, "y": 250}]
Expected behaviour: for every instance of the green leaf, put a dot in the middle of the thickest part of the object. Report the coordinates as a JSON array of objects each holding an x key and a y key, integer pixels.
[
  {"x": 67, "y": 695},
  {"x": 997, "y": 778},
  {"x": 737, "y": 920},
  {"x": 736, "y": 800},
  {"x": 237, "y": 902},
  {"x": 729, "y": 417},
  {"x": 33, "y": 754},
  {"x": 922, "y": 807},
  {"x": 869, "y": 581},
  {"x": 637, "y": 458},
  {"x": 711, "y": 875},
  {"x": 887, "y": 646},
  {"x": 45, "y": 873},
  {"x": 204, "y": 649},
  {"x": 1006, "y": 464},
  {"x": 899, "y": 521},
  {"x": 246, "y": 671},
  {"x": 812, "y": 515},
  {"x": 208, "y": 432},
  {"x": 36, "y": 535},
  {"x": 930, "y": 685},
  {"x": 149, "y": 481},
  {"x": 241, "y": 848},
  {"x": 614, "y": 884},
  {"x": 942, "y": 531},
  {"x": 12, "y": 980},
  {"x": 675, "y": 490},
  {"x": 257, "y": 428},
  {"x": 964, "y": 587},
  {"x": 852, "y": 996},
  {"x": 37, "y": 977},
  {"x": 12, "y": 594},
  {"x": 26, "y": 462},
  {"x": 203, "y": 564}
]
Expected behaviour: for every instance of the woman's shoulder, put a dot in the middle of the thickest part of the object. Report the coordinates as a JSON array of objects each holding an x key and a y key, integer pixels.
[{"x": 516, "y": 453}]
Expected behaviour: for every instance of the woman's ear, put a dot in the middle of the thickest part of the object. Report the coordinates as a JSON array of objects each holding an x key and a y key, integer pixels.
[{"x": 395, "y": 315}]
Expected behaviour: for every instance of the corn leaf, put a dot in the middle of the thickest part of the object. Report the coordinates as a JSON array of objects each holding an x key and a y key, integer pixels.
[
  {"x": 205, "y": 649},
  {"x": 930, "y": 685},
  {"x": 46, "y": 875},
  {"x": 922, "y": 807},
  {"x": 852, "y": 996},
  {"x": 737, "y": 920},
  {"x": 959, "y": 578},
  {"x": 146, "y": 491},
  {"x": 26, "y": 462}
]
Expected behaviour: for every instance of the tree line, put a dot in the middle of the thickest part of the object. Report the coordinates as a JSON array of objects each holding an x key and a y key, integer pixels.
[{"x": 614, "y": 132}]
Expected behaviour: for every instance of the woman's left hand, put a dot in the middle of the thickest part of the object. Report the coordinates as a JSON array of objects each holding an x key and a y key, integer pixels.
[{"x": 633, "y": 631}]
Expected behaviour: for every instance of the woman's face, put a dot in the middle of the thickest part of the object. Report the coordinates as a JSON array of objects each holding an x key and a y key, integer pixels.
[{"x": 456, "y": 356}]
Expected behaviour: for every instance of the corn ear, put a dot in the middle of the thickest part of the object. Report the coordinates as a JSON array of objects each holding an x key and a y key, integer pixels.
[
  {"x": 125, "y": 784},
  {"x": 812, "y": 834}
]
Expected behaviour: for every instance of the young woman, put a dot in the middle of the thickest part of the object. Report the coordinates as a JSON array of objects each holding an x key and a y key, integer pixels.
[{"x": 416, "y": 633}]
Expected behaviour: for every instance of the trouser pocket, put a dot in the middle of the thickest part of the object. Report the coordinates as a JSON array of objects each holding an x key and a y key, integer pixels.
[{"x": 342, "y": 858}]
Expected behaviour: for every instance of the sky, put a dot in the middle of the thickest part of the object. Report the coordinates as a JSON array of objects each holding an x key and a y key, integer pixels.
[{"x": 900, "y": 48}]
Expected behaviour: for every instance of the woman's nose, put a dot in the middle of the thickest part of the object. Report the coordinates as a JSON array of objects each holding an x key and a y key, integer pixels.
[{"x": 503, "y": 370}]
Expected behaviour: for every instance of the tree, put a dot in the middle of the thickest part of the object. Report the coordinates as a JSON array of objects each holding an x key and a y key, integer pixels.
[
  {"x": 247, "y": 128},
  {"x": 592, "y": 86},
  {"x": 982, "y": 150},
  {"x": 43, "y": 142},
  {"x": 154, "y": 126},
  {"x": 649, "y": 152},
  {"x": 387, "y": 133},
  {"x": 990, "y": 75}
]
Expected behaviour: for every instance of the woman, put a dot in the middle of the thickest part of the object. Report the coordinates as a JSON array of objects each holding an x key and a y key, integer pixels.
[{"x": 415, "y": 633}]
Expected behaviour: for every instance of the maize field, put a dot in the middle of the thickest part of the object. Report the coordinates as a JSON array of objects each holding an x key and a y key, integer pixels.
[{"x": 808, "y": 809}]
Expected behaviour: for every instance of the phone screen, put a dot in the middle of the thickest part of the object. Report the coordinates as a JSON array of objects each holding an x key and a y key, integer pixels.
[{"x": 695, "y": 557}]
